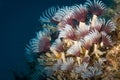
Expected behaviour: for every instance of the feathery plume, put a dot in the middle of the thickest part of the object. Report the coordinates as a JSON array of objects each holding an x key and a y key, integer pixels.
[
  {"x": 67, "y": 32},
  {"x": 62, "y": 14},
  {"x": 82, "y": 31},
  {"x": 68, "y": 65},
  {"x": 96, "y": 7},
  {"x": 95, "y": 36},
  {"x": 107, "y": 26},
  {"x": 41, "y": 43},
  {"x": 48, "y": 14},
  {"x": 74, "y": 49},
  {"x": 80, "y": 13},
  {"x": 106, "y": 39},
  {"x": 57, "y": 45}
]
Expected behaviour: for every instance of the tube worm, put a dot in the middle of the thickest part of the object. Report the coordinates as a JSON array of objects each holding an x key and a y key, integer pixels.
[
  {"x": 97, "y": 8},
  {"x": 82, "y": 31},
  {"x": 107, "y": 26},
  {"x": 106, "y": 39},
  {"x": 67, "y": 32},
  {"x": 42, "y": 42},
  {"x": 57, "y": 49},
  {"x": 80, "y": 14},
  {"x": 47, "y": 16}
]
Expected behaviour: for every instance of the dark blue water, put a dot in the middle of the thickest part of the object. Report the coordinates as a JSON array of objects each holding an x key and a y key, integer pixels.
[{"x": 19, "y": 19}]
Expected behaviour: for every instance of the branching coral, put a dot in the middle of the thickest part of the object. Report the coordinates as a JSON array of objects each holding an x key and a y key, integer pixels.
[{"x": 77, "y": 48}]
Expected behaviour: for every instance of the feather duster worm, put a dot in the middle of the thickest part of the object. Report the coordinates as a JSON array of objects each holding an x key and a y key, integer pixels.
[
  {"x": 41, "y": 43},
  {"x": 80, "y": 13},
  {"x": 107, "y": 26},
  {"x": 67, "y": 32},
  {"x": 74, "y": 49},
  {"x": 48, "y": 16},
  {"x": 82, "y": 31},
  {"x": 96, "y": 7},
  {"x": 76, "y": 52},
  {"x": 106, "y": 39}
]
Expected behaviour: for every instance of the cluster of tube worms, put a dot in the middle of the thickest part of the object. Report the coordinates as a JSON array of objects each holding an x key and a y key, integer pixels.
[{"x": 73, "y": 41}]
